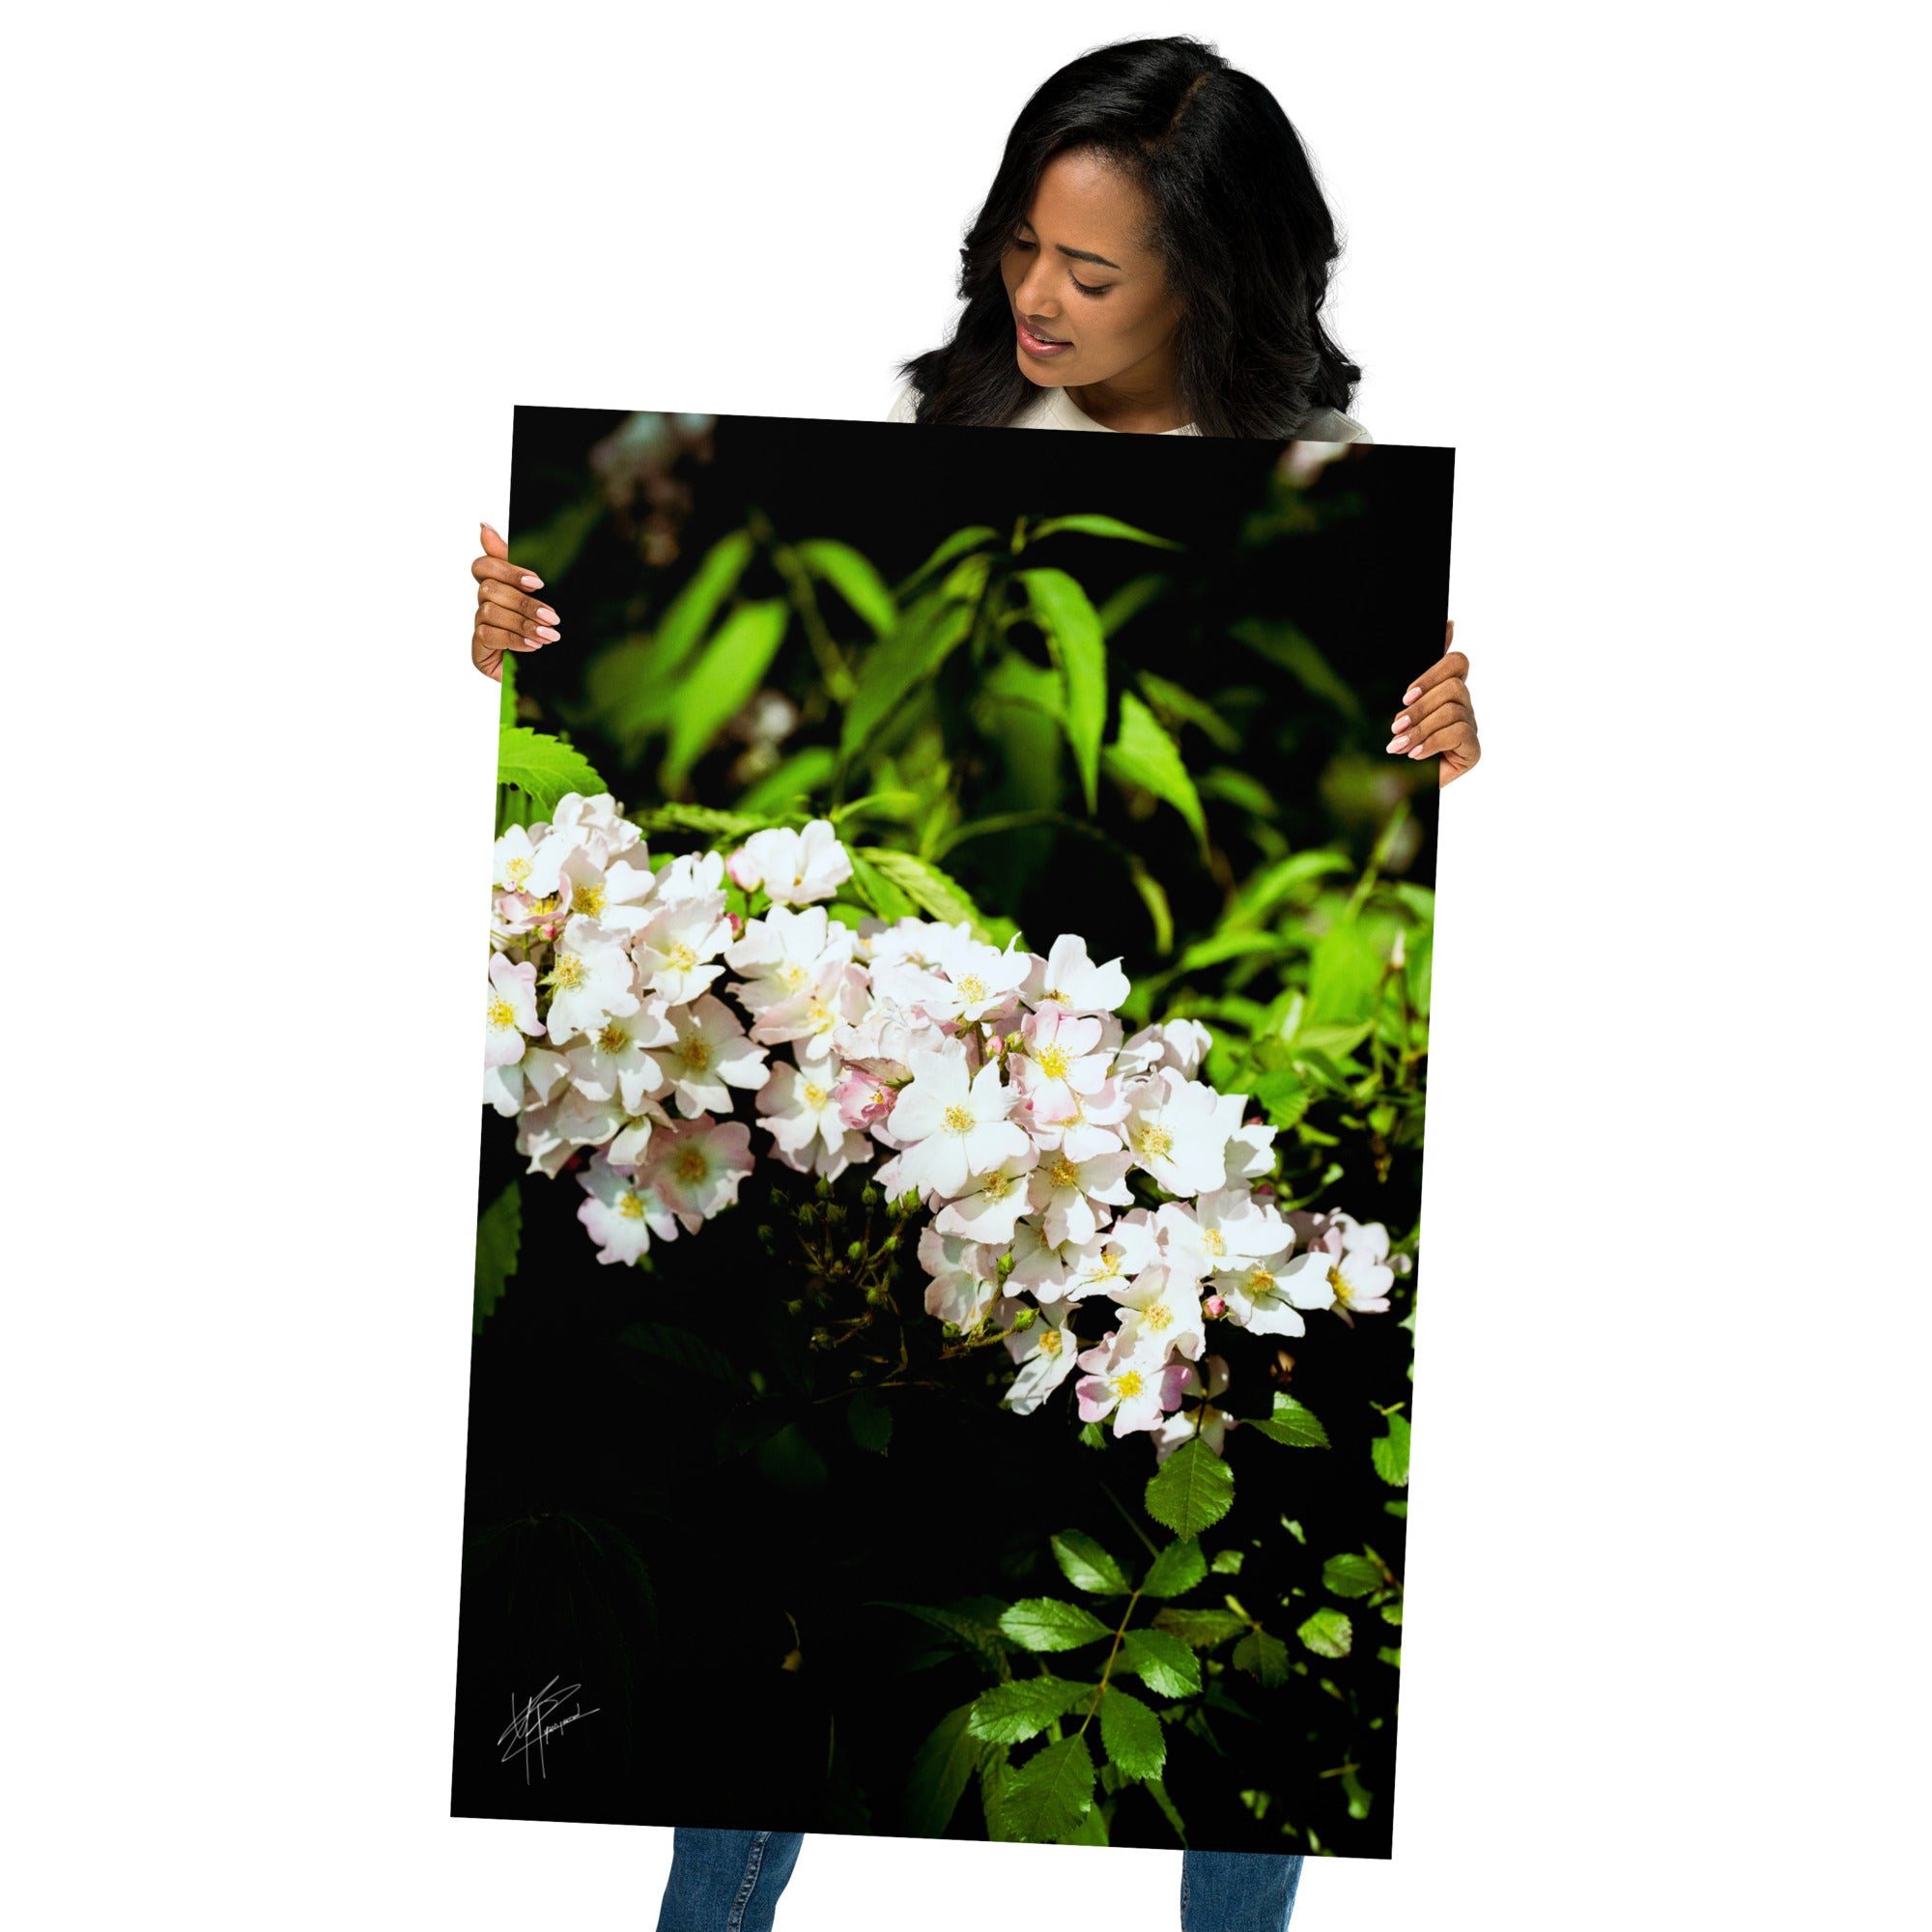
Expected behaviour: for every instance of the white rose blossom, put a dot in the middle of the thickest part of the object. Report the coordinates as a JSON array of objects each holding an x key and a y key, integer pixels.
[{"x": 1071, "y": 1176}]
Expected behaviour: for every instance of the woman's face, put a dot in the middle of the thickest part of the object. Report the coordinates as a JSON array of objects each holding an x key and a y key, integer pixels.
[{"x": 1091, "y": 302}]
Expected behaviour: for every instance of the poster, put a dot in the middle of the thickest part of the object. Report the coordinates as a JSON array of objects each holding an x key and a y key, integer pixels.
[{"x": 949, "y": 1224}]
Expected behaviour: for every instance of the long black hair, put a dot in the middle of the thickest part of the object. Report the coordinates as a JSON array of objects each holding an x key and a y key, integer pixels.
[{"x": 1240, "y": 226}]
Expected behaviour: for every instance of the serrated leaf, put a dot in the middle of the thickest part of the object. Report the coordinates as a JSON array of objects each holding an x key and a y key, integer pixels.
[
  {"x": 1352, "y": 1576},
  {"x": 549, "y": 551},
  {"x": 1192, "y": 1491},
  {"x": 1264, "y": 1657},
  {"x": 878, "y": 892},
  {"x": 1157, "y": 1791},
  {"x": 1163, "y": 1661},
  {"x": 688, "y": 615},
  {"x": 1143, "y": 754},
  {"x": 705, "y": 818},
  {"x": 1227, "y": 1563},
  {"x": 800, "y": 776},
  {"x": 1181, "y": 706},
  {"x": 691, "y": 1356},
  {"x": 978, "y": 1639},
  {"x": 854, "y": 577},
  {"x": 1071, "y": 625},
  {"x": 1099, "y": 526},
  {"x": 727, "y": 671},
  {"x": 940, "y": 1770},
  {"x": 1291, "y": 1423},
  {"x": 1390, "y": 1655},
  {"x": 1176, "y": 1570},
  {"x": 1281, "y": 643},
  {"x": 1153, "y": 895},
  {"x": 1010, "y": 1713},
  {"x": 1200, "y": 1629},
  {"x": 499, "y": 1229},
  {"x": 1131, "y": 1735},
  {"x": 934, "y": 892},
  {"x": 1391, "y": 1612},
  {"x": 1087, "y": 1566},
  {"x": 544, "y": 768},
  {"x": 1046, "y": 1624},
  {"x": 1283, "y": 1096},
  {"x": 869, "y": 1420},
  {"x": 1130, "y": 600},
  {"x": 1047, "y": 1797},
  {"x": 906, "y": 658},
  {"x": 1391, "y": 1452},
  {"x": 1327, "y": 1634}
]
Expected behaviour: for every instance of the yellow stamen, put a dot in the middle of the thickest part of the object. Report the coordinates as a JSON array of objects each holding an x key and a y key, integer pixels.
[
  {"x": 973, "y": 988},
  {"x": 1053, "y": 1060},
  {"x": 1062, "y": 1172},
  {"x": 631, "y": 1207},
  {"x": 1128, "y": 1384},
  {"x": 502, "y": 1013},
  {"x": 1154, "y": 1141},
  {"x": 959, "y": 1120},
  {"x": 692, "y": 1164}
]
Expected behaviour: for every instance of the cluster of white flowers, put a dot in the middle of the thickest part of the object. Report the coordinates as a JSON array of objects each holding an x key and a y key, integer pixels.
[{"x": 1000, "y": 1085}]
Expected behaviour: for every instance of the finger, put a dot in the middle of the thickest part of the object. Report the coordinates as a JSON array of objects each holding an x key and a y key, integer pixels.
[
  {"x": 1430, "y": 712},
  {"x": 499, "y": 605},
  {"x": 1458, "y": 737},
  {"x": 1452, "y": 664},
  {"x": 492, "y": 541},
  {"x": 1449, "y": 634},
  {"x": 492, "y": 638},
  {"x": 505, "y": 573}
]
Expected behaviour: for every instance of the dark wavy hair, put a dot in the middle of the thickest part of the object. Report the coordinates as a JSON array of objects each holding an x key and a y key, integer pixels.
[{"x": 1240, "y": 225}]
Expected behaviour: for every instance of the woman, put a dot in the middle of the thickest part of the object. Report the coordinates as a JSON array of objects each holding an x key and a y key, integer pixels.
[{"x": 1152, "y": 257}]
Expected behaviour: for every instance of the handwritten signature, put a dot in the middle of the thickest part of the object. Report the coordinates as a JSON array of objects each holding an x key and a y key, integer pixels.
[{"x": 535, "y": 1721}]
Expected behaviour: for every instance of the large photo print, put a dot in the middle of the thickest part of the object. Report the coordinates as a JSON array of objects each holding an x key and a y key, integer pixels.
[{"x": 956, "y": 1056}]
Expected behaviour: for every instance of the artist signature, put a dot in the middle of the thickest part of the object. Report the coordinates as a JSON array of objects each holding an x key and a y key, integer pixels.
[{"x": 535, "y": 1721}]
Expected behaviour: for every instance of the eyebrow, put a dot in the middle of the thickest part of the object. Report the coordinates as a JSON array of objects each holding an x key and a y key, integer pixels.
[{"x": 1081, "y": 254}]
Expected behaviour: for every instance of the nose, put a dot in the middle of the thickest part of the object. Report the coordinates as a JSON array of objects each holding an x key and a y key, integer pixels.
[{"x": 1032, "y": 298}]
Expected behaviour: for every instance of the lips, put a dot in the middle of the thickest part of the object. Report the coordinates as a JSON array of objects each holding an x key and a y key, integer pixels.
[{"x": 1037, "y": 345}]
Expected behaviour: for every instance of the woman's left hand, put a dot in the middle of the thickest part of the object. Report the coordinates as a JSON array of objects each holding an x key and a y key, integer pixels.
[{"x": 1438, "y": 722}]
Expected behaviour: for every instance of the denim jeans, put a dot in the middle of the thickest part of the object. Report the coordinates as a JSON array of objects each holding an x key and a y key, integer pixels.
[{"x": 730, "y": 1881}]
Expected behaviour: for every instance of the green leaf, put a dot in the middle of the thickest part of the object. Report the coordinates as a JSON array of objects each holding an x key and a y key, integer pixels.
[
  {"x": 904, "y": 660},
  {"x": 705, "y": 818},
  {"x": 727, "y": 673},
  {"x": 1087, "y": 1566},
  {"x": 1163, "y": 1661},
  {"x": 1345, "y": 975},
  {"x": 1228, "y": 1563},
  {"x": 1131, "y": 1735},
  {"x": 995, "y": 1780},
  {"x": 1176, "y": 1570},
  {"x": 1092, "y": 1829},
  {"x": 500, "y": 1232},
  {"x": 1282, "y": 645},
  {"x": 935, "y": 893},
  {"x": 869, "y": 1420},
  {"x": 1144, "y": 754},
  {"x": 1264, "y": 1658},
  {"x": 688, "y": 1354},
  {"x": 972, "y": 537},
  {"x": 1192, "y": 1491},
  {"x": 1130, "y": 600},
  {"x": 940, "y": 1770},
  {"x": 1072, "y": 628},
  {"x": 1182, "y": 707},
  {"x": 1283, "y": 1096},
  {"x": 544, "y": 767},
  {"x": 1327, "y": 1634},
  {"x": 1390, "y": 1654},
  {"x": 876, "y": 889},
  {"x": 1293, "y": 1423},
  {"x": 506, "y": 692},
  {"x": 1044, "y": 1622},
  {"x": 1049, "y": 1796},
  {"x": 978, "y": 1638},
  {"x": 1098, "y": 526},
  {"x": 1391, "y": 1452},
  {"x": 798, "y": 777},
  {"x": 1153, "y": 895},
  {"x": 1010, "y": 1713},
  {"x": 1358, "y": 1797},
  {"x": 1157, "y": 1791},
  {"x": 854, "y": 579},
  {"x": 1353, "y": 1576},
  {"x": 688, "y": 615},
  {"x": 551, "y": 551},
  {"x": 1200, "y": 1629},
  {"x": 1238, "y": 789}
]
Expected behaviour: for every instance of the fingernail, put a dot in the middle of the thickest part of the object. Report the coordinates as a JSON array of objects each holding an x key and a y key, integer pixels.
[
  {"x": 1409, "y": 695},
  {"x": 545, "y": 615},
  {"x": 492, "y": 530},
  {"x": 1394, "y": 744},
  {"x": 545, "y": 632},
  {"x": 1399, "y": 723},
  {"x": 1417, "y": 752},
  {"x": 532, "y": 582}
]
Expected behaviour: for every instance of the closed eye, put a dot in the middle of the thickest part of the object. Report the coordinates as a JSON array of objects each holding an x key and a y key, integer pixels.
[{"x": 1085, "y": 288}]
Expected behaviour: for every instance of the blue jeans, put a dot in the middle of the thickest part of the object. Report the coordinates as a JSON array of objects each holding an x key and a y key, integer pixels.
[{"x": 730, "y": 1881}]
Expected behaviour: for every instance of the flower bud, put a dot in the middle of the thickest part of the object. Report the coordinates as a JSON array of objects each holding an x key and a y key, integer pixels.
[
  {"x": 855, "y": 1251},
  {"x": 949, "y": 1329},
  {"x": 807, "y": 1214},
  {"x": 1216, "y": 1304},
  {"x": 794, "y": 1308},
  {"x": 824, "y": 1189},
  {"x": 1006, "y": 1266},
  {"x": 765, "y": 1232},
  {"x": 871, "y": 1196},
  {"x": 1014, "y": 1041},
  {"x": 1026, "y": 1318}
]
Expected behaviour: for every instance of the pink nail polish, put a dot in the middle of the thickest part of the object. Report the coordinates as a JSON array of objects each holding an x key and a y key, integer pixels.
[
  {"x": 545, "y": 632},
  {"x": 1409, "y": 695},
  {"x": 1394, "y": 744},
  {"x": 545, "y": 615},
  {"x": 532, "y": 582},
  {"x": 1417, "y": 752},
  {"x": 1399, "y": 723}
]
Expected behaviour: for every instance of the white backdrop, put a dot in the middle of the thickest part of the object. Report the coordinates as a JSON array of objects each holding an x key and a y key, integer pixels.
[{"x": 279, "y": 276}]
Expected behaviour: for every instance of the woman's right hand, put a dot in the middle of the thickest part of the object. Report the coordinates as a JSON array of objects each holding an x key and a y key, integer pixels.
[{"x": 507, "y": 619}]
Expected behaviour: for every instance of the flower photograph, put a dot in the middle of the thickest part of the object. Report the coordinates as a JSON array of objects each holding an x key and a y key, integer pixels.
[{"x": 955, "y": 1050}]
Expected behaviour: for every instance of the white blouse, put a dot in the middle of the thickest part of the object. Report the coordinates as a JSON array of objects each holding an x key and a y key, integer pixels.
[{"x": 1055, "y": 408}]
